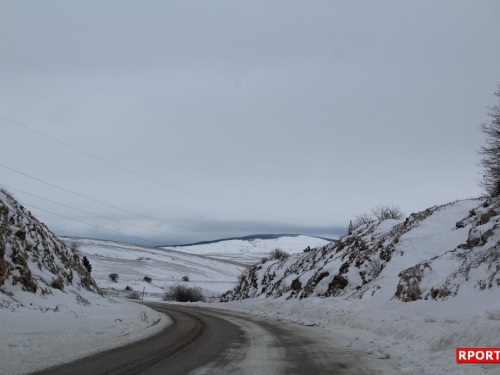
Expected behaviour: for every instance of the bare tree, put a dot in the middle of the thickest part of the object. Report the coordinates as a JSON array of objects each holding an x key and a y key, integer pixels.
[{"x": 490, "y": 152}]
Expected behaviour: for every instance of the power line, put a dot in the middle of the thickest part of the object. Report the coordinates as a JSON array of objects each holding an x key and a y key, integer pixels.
[
  {"x": 106, "y": 204},
  {"x": 156, "y": 181},
  {"x": 92, "y": 225},
  {"x": 104, "y": 217}
]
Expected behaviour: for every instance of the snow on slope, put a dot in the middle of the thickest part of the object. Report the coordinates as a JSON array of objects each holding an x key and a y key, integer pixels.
[
  {"x": 252, "y": 251},
  {"x": 165, "y": 267},
  {"x": 413, "y": 290},
  {"x": 51, "y": 310}
]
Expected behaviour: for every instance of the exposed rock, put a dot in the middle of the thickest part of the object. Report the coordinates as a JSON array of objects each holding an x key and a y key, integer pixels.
[
  {"x": 27, "y": 245},
  {"x": 296, "y": 285},
  {"x": 21, "y": 234}
]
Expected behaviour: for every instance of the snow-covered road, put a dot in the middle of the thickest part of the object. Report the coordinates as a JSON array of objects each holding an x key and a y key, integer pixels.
[{"x": 207, "y": 341}]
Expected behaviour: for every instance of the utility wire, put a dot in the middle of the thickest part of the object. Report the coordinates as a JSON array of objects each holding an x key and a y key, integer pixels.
[
  {"x": 106, "y": 204},
  {"x": 156, "y": 181},
  {"x": 104, "y": 217},
  {"x": 92, "y": 225}
]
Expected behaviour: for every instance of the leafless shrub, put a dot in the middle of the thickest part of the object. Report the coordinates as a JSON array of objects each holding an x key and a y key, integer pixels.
[
  {"x": 74, "y": 247},
  {"x": 279, "y": 254},
  {"x": 378, "y": 213},
  {"x": 185, "y": 278},
  {"x": 57, "y": 284},
  {"x": 147, "y": 279},
  {"x": 382, "y": 212},
  {"x": 114, "y": 277},
  {"x": 129, "y": 288},
  {"x": 134, "y": 295},
  {"x": 362, "y": 220},
  {"x": 264, "y": 260},
  {"x": 182, "y": 293},
  {"x": 375, "y": 266}
]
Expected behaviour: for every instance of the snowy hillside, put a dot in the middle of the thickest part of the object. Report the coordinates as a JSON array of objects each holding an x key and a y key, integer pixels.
[
  {"x": 425, "y": 285},
  {"x": 35, "y": 265},
  {"x": 165, "y": 267},
  {"x": 46, "y": 296},
  {"x": 250, "y": 251}
]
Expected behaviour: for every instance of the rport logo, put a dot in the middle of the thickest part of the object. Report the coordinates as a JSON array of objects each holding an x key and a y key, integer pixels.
[{"x": 478, "y": 355}]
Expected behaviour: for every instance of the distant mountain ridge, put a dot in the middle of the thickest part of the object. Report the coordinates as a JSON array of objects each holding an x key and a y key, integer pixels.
[{"x": 251, "y": 238}]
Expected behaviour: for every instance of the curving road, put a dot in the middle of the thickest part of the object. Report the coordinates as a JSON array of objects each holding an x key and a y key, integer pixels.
[{"x": 212, "y": 341}]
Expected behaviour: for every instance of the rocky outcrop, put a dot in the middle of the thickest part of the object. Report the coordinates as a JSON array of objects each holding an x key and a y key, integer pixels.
[
  {"x": 32, "y": 258},
  {"x": 428, "y": 256}
]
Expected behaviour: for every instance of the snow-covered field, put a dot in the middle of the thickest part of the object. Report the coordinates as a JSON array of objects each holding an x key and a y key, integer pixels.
[
  {"x": 165, "y": 267},
  {"x": 252, "y": 251}
]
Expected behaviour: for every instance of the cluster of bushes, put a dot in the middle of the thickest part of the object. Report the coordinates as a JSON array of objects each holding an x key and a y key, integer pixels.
[
  {"x": 378, "y": 213},
  {"x": 183, "y": 293},
  {"x": 276, "y": 254}
]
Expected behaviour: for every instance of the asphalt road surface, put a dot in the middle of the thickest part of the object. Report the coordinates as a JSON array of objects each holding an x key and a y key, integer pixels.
[{"x": 212, "y": 341}]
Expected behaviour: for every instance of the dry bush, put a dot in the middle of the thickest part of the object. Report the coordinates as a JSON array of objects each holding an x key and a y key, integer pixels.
[
  {"x": 114, "y": 277},
  {"x": 185, "y": 278},
  {"x": 378, "y": 213},
  {"x": 362, "y": 220},
  {"x": 147, "y": 279},
  {"x": 129, "y": 288},
  {"x": 279, "y": 254},
  {"x": 134, "y": 295},
  {"x": 183, "y": 293},
  {"x": 382, "y": 212},
  {"x": 375, "y": 266},
  {"x": 57, "y": 284},
  {"x": 74, "y": 247}
]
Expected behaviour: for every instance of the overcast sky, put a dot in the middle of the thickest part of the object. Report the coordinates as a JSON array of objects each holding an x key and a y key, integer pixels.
[{"x": 302, "y": 114}]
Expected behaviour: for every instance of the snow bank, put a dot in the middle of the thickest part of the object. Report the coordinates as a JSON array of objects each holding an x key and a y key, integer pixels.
[
  {"x": 413, "y": 290},
  {"x": 51, "y": 309},
  {"x": 35, "y": 339},
  {"x": 417, "y": 338}
]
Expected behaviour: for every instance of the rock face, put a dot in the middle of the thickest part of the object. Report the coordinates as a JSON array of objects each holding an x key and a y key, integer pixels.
[
  {"x": 32, "y": 258},
  {"x": 433, "y": 254}
]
